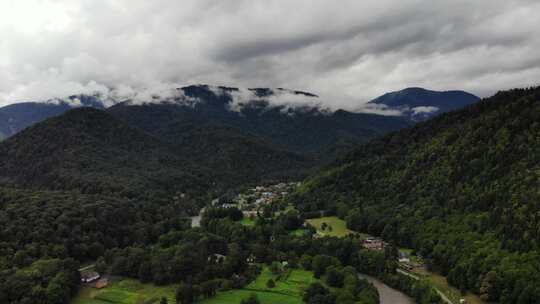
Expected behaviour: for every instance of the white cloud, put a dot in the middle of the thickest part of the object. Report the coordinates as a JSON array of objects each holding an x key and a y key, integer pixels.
[
  {"x": 346, "y": 53},
  {"x": 424, "y": 110}
]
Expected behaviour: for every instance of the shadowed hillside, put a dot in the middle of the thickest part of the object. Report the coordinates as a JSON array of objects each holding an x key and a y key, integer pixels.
[{"x": 462, "y": 189}]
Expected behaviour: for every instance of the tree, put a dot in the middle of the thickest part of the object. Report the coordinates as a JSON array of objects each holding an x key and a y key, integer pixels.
[
  {"x": 185, "y": 294},
  {"x": 209, "y": 288},
  {"x": 56, "y": 292},
  {"x": 345, "y": 297},
  {"x": 315, "y": 291},
  {"x": 334, "y": 277},
  {"x": 305, "y": 261},
  {"x": 145, "y": 272},
  {"x": 275, "y": 267},
  {"x": 321, "y": 262},
  {"x": 324, "y": 225}
]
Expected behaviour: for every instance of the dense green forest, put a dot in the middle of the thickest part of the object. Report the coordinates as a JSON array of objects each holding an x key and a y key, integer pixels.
[
  {"x": 90, "y": 151},
  {"x": 461, "y": 189}
]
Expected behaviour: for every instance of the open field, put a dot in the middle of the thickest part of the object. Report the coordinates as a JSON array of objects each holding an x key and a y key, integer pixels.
[
  {"x": 125, "y": 291},
  {"x": 337, "y": 227},
  {"x": 289, "y": 289}
]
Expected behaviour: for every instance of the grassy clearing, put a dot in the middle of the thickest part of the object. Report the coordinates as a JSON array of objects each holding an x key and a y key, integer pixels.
[
  {"x": 125, "y": 291},
  {"x": 246, "y": 221},
  {"x": 338, "y": 226},
  {"x": 289, "y": 289}
]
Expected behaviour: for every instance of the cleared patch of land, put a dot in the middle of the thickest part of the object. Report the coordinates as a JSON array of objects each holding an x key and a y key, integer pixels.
[
  {"x": 334, "y": 226},
  {"x": 125, "y": 291},
  {"x": 289, "y": 289}
]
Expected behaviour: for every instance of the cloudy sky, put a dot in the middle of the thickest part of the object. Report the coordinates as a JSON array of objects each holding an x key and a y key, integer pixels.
[{"x": 346, "y": 51}]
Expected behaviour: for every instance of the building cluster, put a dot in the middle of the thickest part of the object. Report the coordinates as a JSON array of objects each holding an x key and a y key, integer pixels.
[
  {"x": 261, "y": 195},
  {"x": 372, "y": 243}
]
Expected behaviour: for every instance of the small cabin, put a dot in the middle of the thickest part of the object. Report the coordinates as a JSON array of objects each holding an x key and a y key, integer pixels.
[{"x": 89, "y": 276}]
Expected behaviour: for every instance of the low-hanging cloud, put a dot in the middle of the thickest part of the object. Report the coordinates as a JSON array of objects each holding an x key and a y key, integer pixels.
[{"x": 347, "y": 53}]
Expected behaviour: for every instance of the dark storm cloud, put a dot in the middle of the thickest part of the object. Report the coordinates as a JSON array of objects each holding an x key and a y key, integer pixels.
[{"x": 348, "y": 51}]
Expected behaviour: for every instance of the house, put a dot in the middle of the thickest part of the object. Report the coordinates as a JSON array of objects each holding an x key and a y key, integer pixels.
[
  {"x": 251, "y": 259},
  {"x": 217, "y": 258},
  {"x": 373, "y": 244},
  {"x": 404, "y": 260},
  {"x": 89, "y": 276}
]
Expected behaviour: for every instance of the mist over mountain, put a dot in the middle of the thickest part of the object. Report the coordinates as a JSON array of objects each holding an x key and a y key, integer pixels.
[
  {"x": 296, "y": 123},
  {"x": 420, "y": 104},
  {"x": 292, "y": 120}
]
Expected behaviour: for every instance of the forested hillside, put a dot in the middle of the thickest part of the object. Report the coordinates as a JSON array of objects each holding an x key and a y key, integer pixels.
[
  {"x": 89, "y": 151},
  {"x": 229, "y": 151},
  {"x": 462, "y": 189}
]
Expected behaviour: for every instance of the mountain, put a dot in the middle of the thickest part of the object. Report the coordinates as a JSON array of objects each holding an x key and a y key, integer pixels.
[
  {"x": 461, "y": 189},
  {"x": 289, "y": 119},
  {"x": 15, "y": 117},
  {"x": 303, "y": 129},
  {"x": 90, "y": 151},
  {"x": 420, "y": 104}
]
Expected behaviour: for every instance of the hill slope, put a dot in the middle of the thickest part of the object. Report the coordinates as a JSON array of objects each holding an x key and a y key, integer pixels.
[
  {"x": 462, "y": 189},
  {"x": 90, "y": 151},
  {"x": 15, "y": 117},
  {"x": 420, "y": 104}
]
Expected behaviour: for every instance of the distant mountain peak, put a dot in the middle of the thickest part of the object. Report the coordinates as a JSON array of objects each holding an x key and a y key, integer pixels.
[{"x": 420, "y": 104}]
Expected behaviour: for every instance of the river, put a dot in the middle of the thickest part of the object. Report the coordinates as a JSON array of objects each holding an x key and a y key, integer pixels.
[{"x": 388, "y": 295}]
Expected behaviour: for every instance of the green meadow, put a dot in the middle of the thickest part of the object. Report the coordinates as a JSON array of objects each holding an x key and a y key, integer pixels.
[
  {"x": 336, "y": 227},
  {"x": 125, "y": 291},
  {"x": 288, "y": 290}
]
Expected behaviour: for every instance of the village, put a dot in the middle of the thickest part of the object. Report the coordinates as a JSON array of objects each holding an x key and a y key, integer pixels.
[{"x": 252, "y": 199}]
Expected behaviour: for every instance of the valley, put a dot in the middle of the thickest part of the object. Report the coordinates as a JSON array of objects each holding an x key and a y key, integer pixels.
[
  {"x": 204, "y": 212},
  {"x": 269, "y": 152}
]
